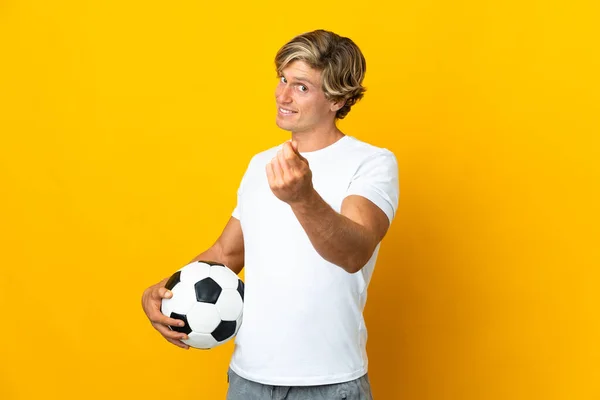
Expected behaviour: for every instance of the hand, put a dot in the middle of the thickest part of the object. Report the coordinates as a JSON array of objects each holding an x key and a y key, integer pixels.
[
  {"x": 289, "y": 175},
  {"x": 151, "y": 302}
]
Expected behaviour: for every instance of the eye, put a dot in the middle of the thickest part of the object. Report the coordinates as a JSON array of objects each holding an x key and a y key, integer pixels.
[
  {"x": 282, "y": 79},
  {"x": 303, "y": 88}
]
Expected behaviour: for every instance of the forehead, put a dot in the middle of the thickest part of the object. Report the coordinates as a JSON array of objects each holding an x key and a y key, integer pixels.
[{"x": 301, "y": 71}]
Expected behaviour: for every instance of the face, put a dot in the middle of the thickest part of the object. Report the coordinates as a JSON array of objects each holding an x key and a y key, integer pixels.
[{"x": 301, "y": 103}]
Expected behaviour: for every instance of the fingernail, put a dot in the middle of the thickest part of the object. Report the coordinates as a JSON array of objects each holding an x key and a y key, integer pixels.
[{"x": 181, "y": 323}]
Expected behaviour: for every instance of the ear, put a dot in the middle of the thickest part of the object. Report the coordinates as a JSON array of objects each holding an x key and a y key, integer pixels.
[{"x": 335, "y": 106}]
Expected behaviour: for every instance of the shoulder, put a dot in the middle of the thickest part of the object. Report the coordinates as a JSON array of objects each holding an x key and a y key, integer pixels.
[
  {"x": 262, "y": 158},
  {"x": 362, "y": 152}
]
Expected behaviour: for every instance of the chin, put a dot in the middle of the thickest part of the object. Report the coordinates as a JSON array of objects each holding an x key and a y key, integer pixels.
[{"x": 285, "y": 127}]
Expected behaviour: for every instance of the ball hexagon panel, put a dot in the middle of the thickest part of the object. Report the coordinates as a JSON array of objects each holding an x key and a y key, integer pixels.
[
  {"x": 203, "y": 318},
  {"x": 207, "y": 291},
  {"x": 229, "y": 305},
  {"x": 201, "y": 340},
  {"x": 194, "y": 272},
  {"x": 224, "y": 331},
  {"x": 225, "y": 277},
  {"x": 184, "y": 296}
]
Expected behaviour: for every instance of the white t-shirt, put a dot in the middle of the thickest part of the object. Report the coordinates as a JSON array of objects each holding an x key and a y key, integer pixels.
[{"x": 303, "y": 316}]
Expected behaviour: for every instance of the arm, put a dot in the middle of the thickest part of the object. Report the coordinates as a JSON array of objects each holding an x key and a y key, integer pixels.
[
  {"x": 347, "y": 239},
  {"x": 228, "y": 249}
]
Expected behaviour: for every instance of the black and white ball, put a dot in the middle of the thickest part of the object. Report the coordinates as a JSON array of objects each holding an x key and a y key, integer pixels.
[{"x": 209, "y": 298}]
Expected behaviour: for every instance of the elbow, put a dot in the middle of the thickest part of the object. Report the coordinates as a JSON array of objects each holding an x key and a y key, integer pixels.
[
  {"x": 357, "y": 263},
  {"x": 359, "y": 260},
  {"x": 353, "y": 269}
]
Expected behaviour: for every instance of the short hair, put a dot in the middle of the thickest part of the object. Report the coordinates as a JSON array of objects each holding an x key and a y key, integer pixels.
[{"x": 339, "y": 59}]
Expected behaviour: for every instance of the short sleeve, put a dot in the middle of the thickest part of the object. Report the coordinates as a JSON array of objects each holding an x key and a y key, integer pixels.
[
  {"x": 377, "y": 180},
  {"x": 237, "y": 210}
]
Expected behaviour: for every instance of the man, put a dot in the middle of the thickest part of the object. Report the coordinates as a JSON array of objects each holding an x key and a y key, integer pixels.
[{"x": 310, "y": 216}]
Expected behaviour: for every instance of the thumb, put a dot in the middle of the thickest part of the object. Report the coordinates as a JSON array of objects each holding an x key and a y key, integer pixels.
[{"x": 295, "y": 147}]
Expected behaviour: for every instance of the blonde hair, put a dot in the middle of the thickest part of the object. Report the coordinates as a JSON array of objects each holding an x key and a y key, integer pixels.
[{"x": 339, "y": 59}]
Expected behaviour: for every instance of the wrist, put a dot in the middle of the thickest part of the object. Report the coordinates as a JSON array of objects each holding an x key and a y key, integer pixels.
[{"x": 307, "y": 203}]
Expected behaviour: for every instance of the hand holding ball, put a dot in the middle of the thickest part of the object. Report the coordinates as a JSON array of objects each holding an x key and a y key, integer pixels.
[{"x": 208, "y": 297}]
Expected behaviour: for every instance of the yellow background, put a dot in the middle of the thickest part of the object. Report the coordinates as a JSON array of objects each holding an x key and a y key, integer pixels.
[{"x": 125, "y": 129}]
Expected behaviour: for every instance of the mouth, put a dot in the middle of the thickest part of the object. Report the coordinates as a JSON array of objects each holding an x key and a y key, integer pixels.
[{"x": 285, "y": 111}]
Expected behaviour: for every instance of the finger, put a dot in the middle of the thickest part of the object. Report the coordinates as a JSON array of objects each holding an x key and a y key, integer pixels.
[
  {"x": 294, "y": 147},
  {"x": 156, "y": 315},
  {"x": 289, "y": 149},
  {"x": 160, "y": 293},
  {"x": 168, "y": 333},
  {"x": 285, "y": 167},
  {"x": 290, "y": 156},
  {"x": 179, "y": 343},
  {"x": 160, "y": 318},
  {"x": 164, "y": 293},
  {"x": 270, "y": 173},
  {"x": 277, "y": 170}
]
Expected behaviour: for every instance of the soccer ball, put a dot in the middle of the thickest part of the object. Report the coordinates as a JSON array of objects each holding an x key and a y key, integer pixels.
[{"x": 209, "y": 298}]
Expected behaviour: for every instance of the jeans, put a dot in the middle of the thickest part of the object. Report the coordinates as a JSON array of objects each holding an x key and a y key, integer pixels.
[{"x": 243, "y": 389}]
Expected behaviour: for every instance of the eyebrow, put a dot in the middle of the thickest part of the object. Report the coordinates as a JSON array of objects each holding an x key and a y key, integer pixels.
[{"x": 302, "y": 80}]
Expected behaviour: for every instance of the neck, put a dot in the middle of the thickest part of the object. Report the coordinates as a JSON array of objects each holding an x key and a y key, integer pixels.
[{"x": 313, "y": 141}]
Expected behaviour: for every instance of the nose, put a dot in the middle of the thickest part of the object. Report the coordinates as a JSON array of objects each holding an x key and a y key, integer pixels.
[{"x": 283, "y": 93}]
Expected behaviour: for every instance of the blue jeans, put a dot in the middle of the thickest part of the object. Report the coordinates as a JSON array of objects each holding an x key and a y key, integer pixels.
[{"x": 243, "y": 389}]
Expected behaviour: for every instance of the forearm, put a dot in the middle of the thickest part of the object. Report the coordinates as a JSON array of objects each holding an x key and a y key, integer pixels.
[
  {"x": 335, "y": 237},
  {"x": 212, "y": 254}
]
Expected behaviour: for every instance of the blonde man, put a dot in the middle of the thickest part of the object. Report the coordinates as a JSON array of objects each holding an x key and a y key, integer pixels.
[{"x": 310, "y": 216}]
